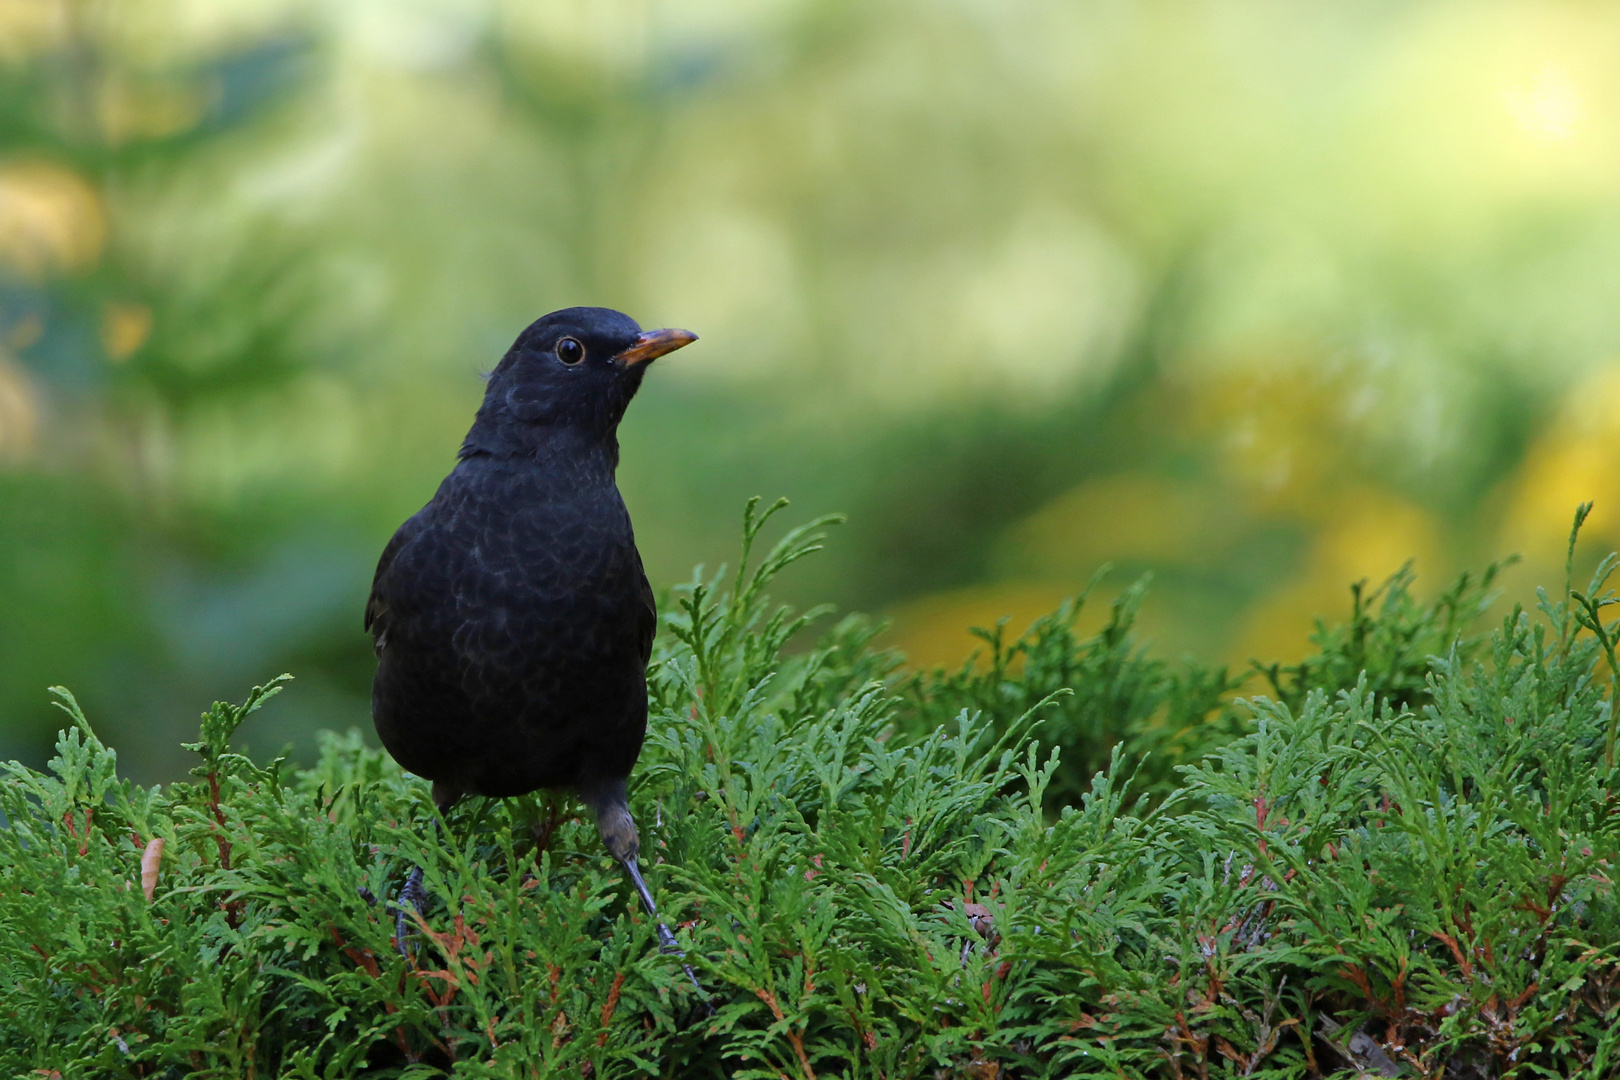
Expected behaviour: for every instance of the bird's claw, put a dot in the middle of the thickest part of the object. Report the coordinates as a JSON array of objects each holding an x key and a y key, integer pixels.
[{"x": 670, "y": 947}]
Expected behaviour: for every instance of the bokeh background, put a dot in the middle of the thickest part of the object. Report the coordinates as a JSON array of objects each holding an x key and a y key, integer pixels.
[{"x": 1262, "y": 298}]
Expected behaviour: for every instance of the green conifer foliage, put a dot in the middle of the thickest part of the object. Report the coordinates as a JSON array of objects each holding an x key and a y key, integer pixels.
[{"x": 1366, "y": 877}]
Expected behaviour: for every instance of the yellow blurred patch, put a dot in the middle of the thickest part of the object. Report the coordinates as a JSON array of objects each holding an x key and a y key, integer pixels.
[
  {"x": 19, "y": 413},
  {"x": 131, "y": 109},
  {"x": 51, "y": 219},
  {"x": 1577, "y": 460},
  {"x": 27, "y": 26},
  {"x": 124, "y": 328},
  {"x": 1369, "y": 535},
  {"x": 1278, "y": 434},
  {"x": 1547, "y": 106},
  {"x": 935, "y": 629},
  {"x": 1136, "y": 517}
]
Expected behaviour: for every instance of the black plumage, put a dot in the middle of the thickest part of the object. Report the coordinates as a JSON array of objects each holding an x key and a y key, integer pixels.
[{"x": 511, "y": 616}]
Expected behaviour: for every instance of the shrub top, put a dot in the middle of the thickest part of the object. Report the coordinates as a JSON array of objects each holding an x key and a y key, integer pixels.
[{"x": 1399, "y": 865}]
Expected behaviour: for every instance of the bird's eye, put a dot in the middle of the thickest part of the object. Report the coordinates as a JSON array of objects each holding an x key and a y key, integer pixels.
[{"x": 570, "y": 351}]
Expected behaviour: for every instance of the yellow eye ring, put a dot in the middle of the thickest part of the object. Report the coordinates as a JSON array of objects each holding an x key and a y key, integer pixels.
[{"x": 570, "y": 351}]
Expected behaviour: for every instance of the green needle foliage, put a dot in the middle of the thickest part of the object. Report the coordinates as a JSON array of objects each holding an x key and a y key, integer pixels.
[
  {"x": 1100, "y": 692},
  {"x": 1365, "y": 879}
]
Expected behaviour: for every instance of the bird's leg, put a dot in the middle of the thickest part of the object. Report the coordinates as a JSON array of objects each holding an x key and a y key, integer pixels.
[
  {"x": 411, "y": 895},
  {"x": 543, "y": 831},
  {"x": 411, "y": 898},
  {"x": 622, "y": 841},
  {"x": 666, "y": 940}
]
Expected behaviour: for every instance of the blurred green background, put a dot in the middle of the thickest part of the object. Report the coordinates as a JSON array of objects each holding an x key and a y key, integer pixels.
[{"x": 1260, "y": 297}]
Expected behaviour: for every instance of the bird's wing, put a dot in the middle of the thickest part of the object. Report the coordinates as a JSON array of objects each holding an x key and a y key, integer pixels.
[
  {"x": 647, "y": 614},
  {"x": 377, "y": 611}
]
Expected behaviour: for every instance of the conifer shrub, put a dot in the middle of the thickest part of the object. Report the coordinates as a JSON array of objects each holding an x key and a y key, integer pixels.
[
  {"x": 1358, "y": 875},
  {"x": 1094, "y": 694},
  {"x": 1110, "y": 692}
]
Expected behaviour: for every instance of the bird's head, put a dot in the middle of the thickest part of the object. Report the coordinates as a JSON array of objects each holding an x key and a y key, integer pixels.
[{"x": 574, "y": 369}]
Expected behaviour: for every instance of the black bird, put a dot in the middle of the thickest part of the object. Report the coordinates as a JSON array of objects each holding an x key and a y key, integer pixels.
[{"x": 511, "y": 617}]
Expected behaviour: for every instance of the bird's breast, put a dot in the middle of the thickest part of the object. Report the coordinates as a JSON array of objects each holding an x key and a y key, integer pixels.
[
  {"x": 544, "y": 566},
  {"x": 517, "y": 617}
]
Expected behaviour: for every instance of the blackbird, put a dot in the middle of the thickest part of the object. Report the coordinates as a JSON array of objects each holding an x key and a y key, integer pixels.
[{"x": 511, "y": 617}]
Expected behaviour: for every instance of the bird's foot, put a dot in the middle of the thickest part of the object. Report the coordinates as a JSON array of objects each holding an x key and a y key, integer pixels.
[
  {"x": 411, "y": 898},
  {"x": 670, "y": 947},
  {"x": 666, "y": 940},
  {"x": 667, "y": 943}
]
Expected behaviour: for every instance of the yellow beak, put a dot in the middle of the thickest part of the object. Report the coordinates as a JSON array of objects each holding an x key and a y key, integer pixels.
[{"x": 652, "y": 344}]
